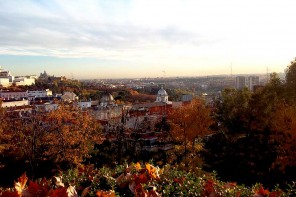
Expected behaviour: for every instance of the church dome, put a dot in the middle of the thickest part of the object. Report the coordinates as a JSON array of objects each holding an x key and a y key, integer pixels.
[
  {"x": 162, "y": 96},
  {"x": 162, "y": 92},
  {"x": 107, "y": 99}
]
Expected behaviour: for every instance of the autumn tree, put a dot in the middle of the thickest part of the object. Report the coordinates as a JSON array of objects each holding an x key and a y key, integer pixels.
[
  {"x": 291, "y": 81},
  {"x": 63, "y": 136},
  {"x": 284, "y": 135},
  {"x": 2, "y": 127},
  {"x": 71, "y": 133},
  {"x": 244, "y": 144},
  {"x": 190, "y": 122},
  {"x": 19, "y": 142}
]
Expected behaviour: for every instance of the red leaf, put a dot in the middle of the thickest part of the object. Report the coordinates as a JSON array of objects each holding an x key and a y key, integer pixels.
[
  {"x": 142, "y": 178},
  {"x": 261, "y": 191},
  {"x": 20, "y": 185},
  {"x": 105, "y": 193},
  {"x": 275, "y": 194},
  {"x": 61, "y": 192},
  {"x": 230, "y": 185},
  {"x": 33, "y": 188},
  {"x": 9, "y": 194},
  {"x": 209, "y": 189}
]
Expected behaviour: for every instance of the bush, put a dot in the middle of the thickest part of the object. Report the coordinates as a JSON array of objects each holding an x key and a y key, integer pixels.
[{"x": 138, "y": 180}]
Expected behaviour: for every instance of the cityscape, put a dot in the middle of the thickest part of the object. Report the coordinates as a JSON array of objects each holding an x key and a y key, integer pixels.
[
  {"x": 207, "y": 87},
  {"x": 147, "y": 98},
  {"x": 136, "y": 119}
]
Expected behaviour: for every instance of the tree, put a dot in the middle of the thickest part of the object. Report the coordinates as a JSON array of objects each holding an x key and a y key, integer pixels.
[
  {"x": 263, "y": 104},
  {"x": 245, "y": 145},
  {"x": 63, "y": 136},
  {"x": 231, "y": 111},
  {"x": 291, "y": 81},
  {"x": 284, "y": 135},
  {"x": 190, "y": 122},
  {"x": 2, "y": 128},
  {"x": 71, "y": 134}
]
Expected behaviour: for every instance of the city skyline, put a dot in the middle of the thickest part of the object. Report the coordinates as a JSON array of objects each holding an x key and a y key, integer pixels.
[{"x": 126, "y": 39}]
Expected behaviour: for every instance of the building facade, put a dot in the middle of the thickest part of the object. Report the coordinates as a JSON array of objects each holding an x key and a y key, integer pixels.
[
  {"x": 240, "y": 82},
  {"x": 16, "y": 95},
  {"x": 4, "y": 82},
  {"x": 252, "y": 82},
  {"x": 39, "y": 93},
  {"x": 162, "y": 96},
  {"x": 24, "y": 81},
  {"x": 14, "y": 103}
]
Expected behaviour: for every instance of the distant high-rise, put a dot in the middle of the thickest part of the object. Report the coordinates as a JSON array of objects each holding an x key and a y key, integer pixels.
[
  {"x": 253, "y": 81},
  {"x": 249, "y": 82},
  {"x": 240, "y": 82}
]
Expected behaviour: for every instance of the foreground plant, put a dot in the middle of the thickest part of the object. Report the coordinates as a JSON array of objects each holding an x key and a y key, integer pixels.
[{"x": 138, "y": 180}]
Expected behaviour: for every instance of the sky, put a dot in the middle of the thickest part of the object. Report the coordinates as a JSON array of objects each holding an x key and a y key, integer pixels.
[{"x": 146, "y": 38}]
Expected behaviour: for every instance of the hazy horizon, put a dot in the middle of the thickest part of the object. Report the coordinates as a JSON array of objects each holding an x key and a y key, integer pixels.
[{"x": 137, "y": 39}]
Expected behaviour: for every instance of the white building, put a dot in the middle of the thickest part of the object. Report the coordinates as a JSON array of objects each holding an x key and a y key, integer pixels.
[
  {"x": 23, "y": 81},
  {"x": 18, "y": 81},
  {"x": 112, "y": 114},
  {"x": 69, "y": 96},
  {"x": 5, "y": 78},
  {"x": 162, "y": 96},
  {"x": 84, "y": 104},
  {"x": 39, "y": 94},
  {"x": 14, "y": 103},
  {"x": 17, "y": 95},
  {"x": 47, "y": 107},
  {"x": 11, "y": 79},
  {"x": 240, "y": 82},
  {"x": 4, "y": 73},
  {"x": 4, "y": 82},
  {"x": 249, "y": 82},
  {"x": 253, "y": 81},
  {"x": 107, "y": 100}
]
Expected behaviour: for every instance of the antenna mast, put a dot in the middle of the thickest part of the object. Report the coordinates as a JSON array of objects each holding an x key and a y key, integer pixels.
[
  {"x": 267, "y": 75},
  {"x": 231, "y": 70}
]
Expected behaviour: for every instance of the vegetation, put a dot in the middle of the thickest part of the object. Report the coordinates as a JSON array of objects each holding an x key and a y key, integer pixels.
[
  {"x": 188, "y": 123},
  {"x": 246, "y": 137},
  {"x": 56, "y": 140},
  {"x": 255, "y": 138},
  {"x": 138, "y": 180}
]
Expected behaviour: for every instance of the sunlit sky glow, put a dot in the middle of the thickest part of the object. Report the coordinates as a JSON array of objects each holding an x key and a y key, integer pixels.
[{"x": 140, "y": 38}]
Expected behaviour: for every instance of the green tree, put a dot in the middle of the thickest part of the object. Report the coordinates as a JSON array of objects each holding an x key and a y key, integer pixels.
[
  {"x": 232, "y": 111},
  {"x": 263, "y": 104}
]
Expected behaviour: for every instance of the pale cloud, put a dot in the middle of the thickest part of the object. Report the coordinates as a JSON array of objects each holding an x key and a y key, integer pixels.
[
  {"x": 174, "y": 32},
  {"x": 70, "y": 25}
]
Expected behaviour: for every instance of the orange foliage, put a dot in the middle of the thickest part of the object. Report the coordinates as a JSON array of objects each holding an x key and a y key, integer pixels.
[
  {"x": 105, "y": 194},
  {"x": 284, "y": 130},
  {"x": 190, "y": 121},
  {"x": 71, "y": 134},
  {"x": 20, "y": 184},
  {"x": 34, "y": 189},
  {"x": 62, "y": 135},
  {"x": 133, "y": 92},
  {"x": 262, "y": 192}
]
